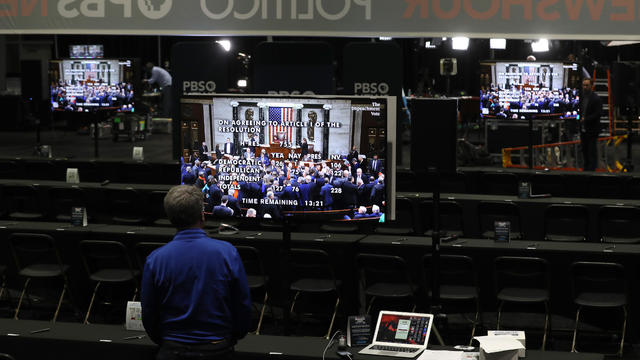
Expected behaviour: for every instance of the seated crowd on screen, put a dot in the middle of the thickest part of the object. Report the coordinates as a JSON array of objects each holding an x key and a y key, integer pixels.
[
  {"x": 507, "y": 103},
  {"x": 75, "y": 97},
  {"x": 267, "y": 189}
]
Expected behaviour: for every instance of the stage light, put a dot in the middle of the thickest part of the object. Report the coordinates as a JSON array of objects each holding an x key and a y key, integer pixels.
[
  {"x": 226, "y": 44},
  {"x": 498, "y": 44},
  {"x": 541, "y": 45},
  {"x": 460, "y": 43},
  {"x": 242, "y": 83}
]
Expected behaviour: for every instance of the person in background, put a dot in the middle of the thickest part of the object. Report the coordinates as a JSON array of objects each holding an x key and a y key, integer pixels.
[
  {"x": 195, "y": 298},
  {"x": 161, "y": 78},
  {"x": 591, "y": 110}
]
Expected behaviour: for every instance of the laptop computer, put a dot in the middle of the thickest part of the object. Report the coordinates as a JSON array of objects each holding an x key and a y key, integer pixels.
[{"x": 400, "y": 334}]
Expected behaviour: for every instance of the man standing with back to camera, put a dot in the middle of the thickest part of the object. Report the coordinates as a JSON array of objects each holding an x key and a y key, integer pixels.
[
  {"x": 590, "y": 111},
  {"x": 195, "y": 297}
]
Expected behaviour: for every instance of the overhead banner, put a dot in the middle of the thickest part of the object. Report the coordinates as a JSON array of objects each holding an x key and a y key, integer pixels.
[{"x": 558, "y": 19}]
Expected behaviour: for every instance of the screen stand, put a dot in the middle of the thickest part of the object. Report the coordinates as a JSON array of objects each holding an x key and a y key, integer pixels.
[
  {"x": 628, "y": 162},
  {"x": 95, "y": 134},
  {"x": 436, "y": 308},
  {"x": 286, "y": 246}
]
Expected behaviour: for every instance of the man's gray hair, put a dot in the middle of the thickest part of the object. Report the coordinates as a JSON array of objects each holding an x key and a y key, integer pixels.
[{"x": 183, "y": 205}]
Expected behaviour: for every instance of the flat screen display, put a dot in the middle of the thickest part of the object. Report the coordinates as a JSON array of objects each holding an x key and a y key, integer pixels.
[
  {"x": 86, "y": 51},
  {"x": 523, "y": 90},
  {"x": 274, "y": 156},
  {"x": 85, "y": 85},
  {"x": 403, "y": 329}
]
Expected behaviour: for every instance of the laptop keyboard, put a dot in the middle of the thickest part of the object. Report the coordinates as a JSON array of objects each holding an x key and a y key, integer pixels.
[{"x": 394, "y": 348}]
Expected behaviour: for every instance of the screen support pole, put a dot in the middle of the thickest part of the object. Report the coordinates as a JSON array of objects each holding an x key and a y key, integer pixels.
[
  {"x": 628, "y": 162},
  {"x": 531, "y": 159},
  {"x": 436, "y": 307},
  {"x": 286, "y": 246},
  {"x": 95, "y": 134}
]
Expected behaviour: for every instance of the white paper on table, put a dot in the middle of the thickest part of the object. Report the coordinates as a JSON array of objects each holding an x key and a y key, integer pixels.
[
  {"x": 494, "y": 344},
  {"x": 440, "y": 355}
]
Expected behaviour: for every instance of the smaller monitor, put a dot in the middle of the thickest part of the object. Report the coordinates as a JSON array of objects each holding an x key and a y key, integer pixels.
[
  {"x": 86, "y": 51},
  {"x": 84, "y": 85}
]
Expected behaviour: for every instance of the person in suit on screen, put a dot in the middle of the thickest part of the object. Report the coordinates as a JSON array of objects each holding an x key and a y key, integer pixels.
[
  {"x": 223, "y": 210},
  {"x": 229, "y": 148}
]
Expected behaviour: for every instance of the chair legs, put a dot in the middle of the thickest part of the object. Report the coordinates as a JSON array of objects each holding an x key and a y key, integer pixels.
[
  {"x": 24, "y": 290},
  {"x": 575, "y": 330},
  {"x": 624, "y": 331},
  {"x": 373, "y": 298},
  {"x": 475, "y": 322},
  {"x": 264, "y": 305},
  {"x": 293, "y": 303},
  {"x": 333, "y": 318},
  {"x": 546, "y": 325},
  {"x": 499, "y": 314},
  {"x": 93, "y": 297},
  {"x": 547, "y": 317},
  {"x": 55, "y": 315}
]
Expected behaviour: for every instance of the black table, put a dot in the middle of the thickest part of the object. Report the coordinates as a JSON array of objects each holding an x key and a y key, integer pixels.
[
  {"x": 531, "y": 210},
  {"x": 71, "y": 341}
]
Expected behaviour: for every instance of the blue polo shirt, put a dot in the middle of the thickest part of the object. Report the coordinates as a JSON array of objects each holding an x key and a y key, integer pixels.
[{"x": 194, "y": 290}]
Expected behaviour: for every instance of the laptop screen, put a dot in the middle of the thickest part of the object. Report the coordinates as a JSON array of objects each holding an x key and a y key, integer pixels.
[{"x": 403, "y": 329}]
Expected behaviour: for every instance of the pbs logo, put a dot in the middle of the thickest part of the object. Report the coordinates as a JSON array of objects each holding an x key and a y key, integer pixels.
[
  {"x": 155, "y": 9},
  {"x": 371, "y": 88}
]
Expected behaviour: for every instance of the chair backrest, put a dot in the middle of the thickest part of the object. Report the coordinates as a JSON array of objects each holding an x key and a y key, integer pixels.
[
  {"x": 125, "y": 203},
  {"x": 64, "y": 198},
  {"x": 451, "y": 215},
  {"x": 606, "y": 186},
  {"x": 618, "y": 222},
  {"x": 22, "y": 198},
  {"x": 310, "y": 263},
  {"x": 143, "y": 249},
  {"x": 156, "y": 205},
  {"x": 101, "y": 254},
  {"x": 543, "y": 183},
  {"x": 499, "y": 183},
  {"x": 598, "y": 277},
  {"x": 376, "y": 268},
  {"x": 566, "y": 220},
  {"x": 454, "y": 270},
  {"x": 491, "y": 211},
  {"x": 30, "y": 249},
  {"x": 251, "y": 260},
  {"x": 405, "y": 217},
  {"x": 521, "y": 272}
]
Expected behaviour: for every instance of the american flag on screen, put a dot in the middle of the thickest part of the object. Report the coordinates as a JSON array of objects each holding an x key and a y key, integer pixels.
[{"x": 279, "y": 115}]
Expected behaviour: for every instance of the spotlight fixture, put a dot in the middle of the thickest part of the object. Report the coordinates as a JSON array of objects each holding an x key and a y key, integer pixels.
[
  {"x": 498, "y": 44},
  {"x": 541, "y": 45},
  {"x": 242, "y": 83},
  {"x": 460, "y": 43},
  {"x": 226, "y": 44}
]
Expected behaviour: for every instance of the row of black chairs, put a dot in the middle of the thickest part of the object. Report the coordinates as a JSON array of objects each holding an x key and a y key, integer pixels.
[
  {"x": 558, "y": 184},
  {"x": 136, "y": 172},
  {"x": 524, "y": 280},
  {"x": 469, "y": 180},
  {"x": 120, "y": 206},
  {"x": 564, "y": 222},
  {"x": 37, "y": 257},
  {"x": 560, "y": 222}
]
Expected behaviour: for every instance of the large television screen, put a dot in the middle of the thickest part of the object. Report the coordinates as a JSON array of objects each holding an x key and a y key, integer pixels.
[
  {"x": 522, "y": 90},
  {"x": 322, "y": 157},
  {"x": 86, "y": 51},
  {"x": 85, "y": 85}
]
